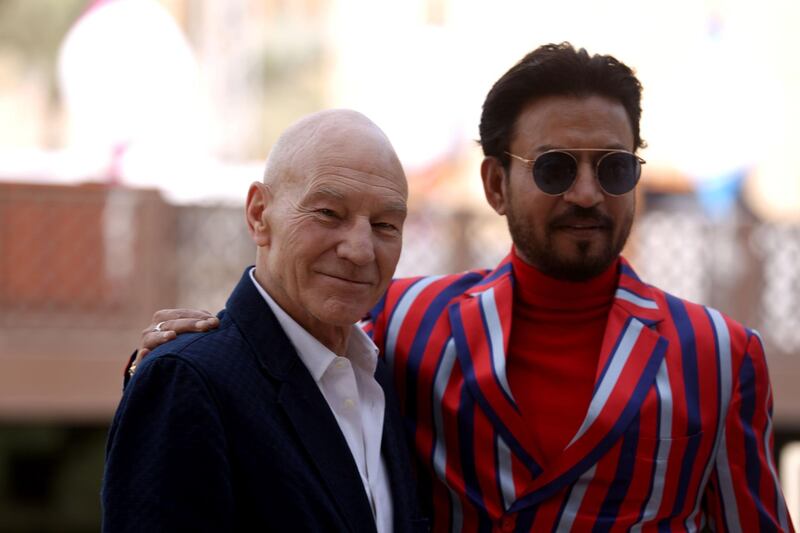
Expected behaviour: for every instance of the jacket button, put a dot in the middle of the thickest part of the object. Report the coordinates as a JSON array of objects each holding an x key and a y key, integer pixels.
[{"x": 507, "y": 523}]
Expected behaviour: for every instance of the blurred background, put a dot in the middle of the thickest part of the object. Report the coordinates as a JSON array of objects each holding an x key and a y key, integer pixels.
[{"x": 131, "y": 129}]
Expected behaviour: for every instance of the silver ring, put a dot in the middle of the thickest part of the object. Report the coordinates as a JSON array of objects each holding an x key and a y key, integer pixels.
[{"x": 158, "y": 326}]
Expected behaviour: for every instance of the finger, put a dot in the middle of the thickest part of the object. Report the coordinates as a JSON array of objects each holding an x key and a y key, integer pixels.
[
  {"x": 165, "y": 315},
  {"x": 207, "y": 324},
  {"x": 181, "y": 325},
  {"x": 153, "y": 339},
  {"x": 185, "y": 325}
]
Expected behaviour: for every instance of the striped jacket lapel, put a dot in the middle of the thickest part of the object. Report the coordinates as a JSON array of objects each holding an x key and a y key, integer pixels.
[
  {"x": 631, "y": 354},
  {"x": 481, "y": 327}
]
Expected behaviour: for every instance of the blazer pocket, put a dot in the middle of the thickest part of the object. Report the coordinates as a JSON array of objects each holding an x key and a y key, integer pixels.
[{"x": 658, "y": 449}]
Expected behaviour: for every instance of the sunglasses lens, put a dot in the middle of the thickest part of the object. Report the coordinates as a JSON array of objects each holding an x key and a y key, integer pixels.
[
  {"x": 618, "y": 173},
  {"x": 554, "y": 172}
]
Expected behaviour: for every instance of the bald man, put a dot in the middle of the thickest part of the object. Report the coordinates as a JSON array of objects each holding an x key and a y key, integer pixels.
[{"x": 295, "y": 428}]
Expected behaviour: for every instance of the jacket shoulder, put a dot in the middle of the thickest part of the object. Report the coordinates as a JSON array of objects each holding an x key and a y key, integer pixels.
[
  {"x": 212, "y": 353},
  {"x": 711, "y": 329}
]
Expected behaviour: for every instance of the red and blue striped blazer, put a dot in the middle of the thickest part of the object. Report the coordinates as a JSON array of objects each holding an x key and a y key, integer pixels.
[{"x": 677, "y": 437}]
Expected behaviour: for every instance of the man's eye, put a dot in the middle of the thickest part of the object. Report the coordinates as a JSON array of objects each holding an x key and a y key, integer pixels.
[
  {"x": 384, "y": 226},
  {"x": 329, "y": 213}
]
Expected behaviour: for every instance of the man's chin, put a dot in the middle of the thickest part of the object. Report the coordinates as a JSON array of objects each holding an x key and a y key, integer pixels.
[
  {"x": 567, "y": 256},
  {"x": 582, "y": 268},
  {"x": 582, "y": 272},
  {"x": 340, "y": 315}
]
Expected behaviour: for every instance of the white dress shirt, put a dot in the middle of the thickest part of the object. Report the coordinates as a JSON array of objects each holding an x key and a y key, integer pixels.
[{"x": 355, "y": 398}]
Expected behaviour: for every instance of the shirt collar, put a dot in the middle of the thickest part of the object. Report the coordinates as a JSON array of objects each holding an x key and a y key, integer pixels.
[{"x": 361, "y": 351}]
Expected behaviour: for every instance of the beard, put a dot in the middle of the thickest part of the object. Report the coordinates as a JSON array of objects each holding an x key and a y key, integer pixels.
[{"x": 586, "y": 260}]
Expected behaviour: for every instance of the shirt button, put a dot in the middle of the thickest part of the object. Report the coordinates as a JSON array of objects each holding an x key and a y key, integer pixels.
[
  {"x": 341, "y": 363},
  {"x": 349, "y": 404}
]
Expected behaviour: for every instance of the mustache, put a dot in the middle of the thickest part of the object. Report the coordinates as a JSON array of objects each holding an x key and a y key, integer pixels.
[{"x": 582, "y": 216}]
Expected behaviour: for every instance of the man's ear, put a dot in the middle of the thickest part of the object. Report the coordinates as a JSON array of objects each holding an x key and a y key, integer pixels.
[
  {"x": 259, "y": 198},
  {"x": 495, "y": 184}
]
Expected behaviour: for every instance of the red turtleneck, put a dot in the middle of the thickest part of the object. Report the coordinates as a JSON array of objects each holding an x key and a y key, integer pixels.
[{"x": 556, "y": 334}]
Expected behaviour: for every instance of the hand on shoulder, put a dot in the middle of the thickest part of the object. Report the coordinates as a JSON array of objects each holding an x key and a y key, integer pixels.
[{"x": 166, "y": 325}]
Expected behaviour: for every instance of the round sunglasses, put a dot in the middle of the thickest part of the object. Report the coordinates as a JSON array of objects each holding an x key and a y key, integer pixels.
[{"x": 554, "y": 171}]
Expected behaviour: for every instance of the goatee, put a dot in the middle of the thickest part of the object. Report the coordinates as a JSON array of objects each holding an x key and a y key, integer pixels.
[{"x": 583, "y": 265}]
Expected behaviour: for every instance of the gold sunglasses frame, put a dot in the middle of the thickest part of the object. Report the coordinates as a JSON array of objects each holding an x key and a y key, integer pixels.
[{"x": 608, "y": 151}]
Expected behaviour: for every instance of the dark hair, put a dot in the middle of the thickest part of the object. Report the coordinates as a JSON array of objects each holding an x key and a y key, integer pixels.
[{"x": 555, "y": 69}]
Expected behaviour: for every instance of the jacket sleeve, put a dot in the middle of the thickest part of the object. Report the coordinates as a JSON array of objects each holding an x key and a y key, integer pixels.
[
  {"x": 744, "y": 493},
  {"x": 166, "y": 464},
  {"x": 374, "y": 323}
]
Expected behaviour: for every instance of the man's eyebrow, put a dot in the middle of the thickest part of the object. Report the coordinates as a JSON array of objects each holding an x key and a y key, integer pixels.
[
  {"x": 396, "y": 207},
  {"x": 547, "y": 147},
  {"x": 392, "y": 206},
  {"x": 326, "y": 191}
]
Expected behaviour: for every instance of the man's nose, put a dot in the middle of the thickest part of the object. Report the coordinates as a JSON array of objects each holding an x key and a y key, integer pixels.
[
  {"x": 356, "y": 245},
  {"x": 585, "y": 190}
]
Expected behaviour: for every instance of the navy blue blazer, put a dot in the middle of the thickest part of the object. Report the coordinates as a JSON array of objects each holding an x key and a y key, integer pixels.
[{"x": 227, "y": 431}]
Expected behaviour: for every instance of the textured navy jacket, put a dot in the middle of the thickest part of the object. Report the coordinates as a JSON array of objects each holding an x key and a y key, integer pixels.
[{"x": 227, "y": 431}]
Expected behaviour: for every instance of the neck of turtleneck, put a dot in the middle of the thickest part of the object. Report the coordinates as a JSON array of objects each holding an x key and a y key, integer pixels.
[
  {"x": 556, "y": 335},
  {"x": 543, "y": 293}
]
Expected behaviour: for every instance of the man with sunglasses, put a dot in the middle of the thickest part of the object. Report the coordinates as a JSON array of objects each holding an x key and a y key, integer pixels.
[{"x": 559, "y": 392}]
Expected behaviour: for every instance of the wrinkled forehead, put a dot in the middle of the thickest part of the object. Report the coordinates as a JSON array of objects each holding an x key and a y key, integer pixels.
[{"x": 345, "y": 188}]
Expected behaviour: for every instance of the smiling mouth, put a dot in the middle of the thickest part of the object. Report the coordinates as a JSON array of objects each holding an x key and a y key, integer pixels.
[{"x": 346, "y": 280}]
